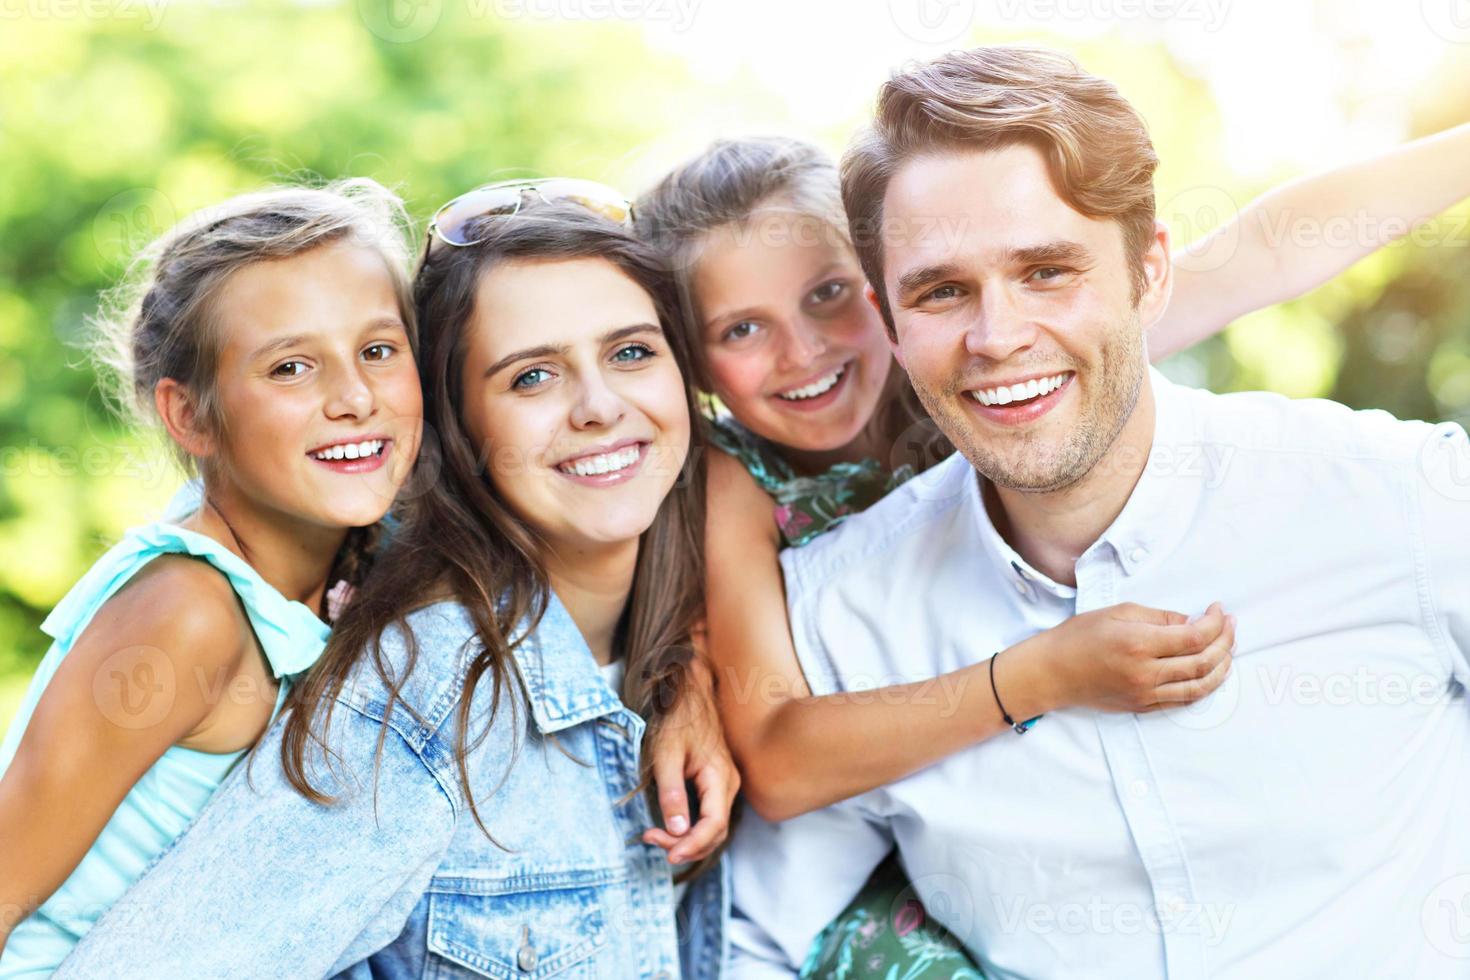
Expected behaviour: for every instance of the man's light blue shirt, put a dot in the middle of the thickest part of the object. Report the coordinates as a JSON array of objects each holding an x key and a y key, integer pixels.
[{"x": 1309, "y": 819}]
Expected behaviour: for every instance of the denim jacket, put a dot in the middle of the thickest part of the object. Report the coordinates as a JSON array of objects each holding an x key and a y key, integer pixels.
[{"x": 395, "y": 879}]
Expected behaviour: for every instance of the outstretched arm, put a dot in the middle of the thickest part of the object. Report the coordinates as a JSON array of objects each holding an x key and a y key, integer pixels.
[
  {"x": 799, "y": 753},
  {"x": 1297, "y": 236}
]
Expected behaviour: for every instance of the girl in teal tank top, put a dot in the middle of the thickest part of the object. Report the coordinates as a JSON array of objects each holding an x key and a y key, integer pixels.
[{"x": 288, "y": 387}]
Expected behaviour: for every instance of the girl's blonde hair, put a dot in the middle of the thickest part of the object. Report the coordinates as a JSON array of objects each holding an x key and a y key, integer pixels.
[{"x": 162, "y": 321}]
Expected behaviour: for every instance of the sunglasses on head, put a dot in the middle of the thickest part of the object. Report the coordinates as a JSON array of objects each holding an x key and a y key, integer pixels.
[{"x": 451, "y": 222}]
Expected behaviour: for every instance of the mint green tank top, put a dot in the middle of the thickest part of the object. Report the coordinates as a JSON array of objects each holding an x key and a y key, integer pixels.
[{"x": 169, "y": 795}]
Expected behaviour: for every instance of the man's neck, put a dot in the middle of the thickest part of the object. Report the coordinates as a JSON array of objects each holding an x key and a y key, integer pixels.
[
  {"x": 594, "y": 586},
  {"x": 1052, "y": 530}
]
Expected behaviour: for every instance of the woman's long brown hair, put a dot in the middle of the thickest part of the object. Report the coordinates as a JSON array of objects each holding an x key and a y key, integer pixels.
[{"x": 459, "y": 540}]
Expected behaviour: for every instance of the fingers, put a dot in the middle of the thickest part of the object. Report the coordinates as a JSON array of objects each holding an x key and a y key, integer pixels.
[
  {"x": 1199, "y": 674},
  {"x": 1134, "y": 613},
  {"x": 715, "y": 799},
  {"x": 668, "y": 779},
  {"x": 1190, "y": 637}
]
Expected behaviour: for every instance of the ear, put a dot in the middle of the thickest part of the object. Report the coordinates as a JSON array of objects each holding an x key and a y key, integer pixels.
[
  {"x": 1158, "y": 277},
  {"x": 181, "y": 417},
  {"x": 871, "y": 295}
]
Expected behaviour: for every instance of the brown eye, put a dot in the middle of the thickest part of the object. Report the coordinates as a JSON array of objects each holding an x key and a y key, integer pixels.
[
  {"x": 385, "y": 351},
  {"x": 828, "y": 291},
  {"x": 741, "y": 330},
  {"x": 290, "y": 369}
]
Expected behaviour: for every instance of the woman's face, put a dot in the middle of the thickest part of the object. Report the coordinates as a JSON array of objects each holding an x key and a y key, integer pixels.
[
  {"x": 318, "y": 386},
  {"x": 574, "y": 399},
  {"x": 795, "y": 351}
]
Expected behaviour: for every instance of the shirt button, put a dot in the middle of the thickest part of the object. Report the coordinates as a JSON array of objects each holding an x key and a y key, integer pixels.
[
  {"x": 1023, "y": 588},
  {"x": 1137, "y": 555},
  {"x": 1138, "y": 789},
  {"x": 526, "y": 958}
]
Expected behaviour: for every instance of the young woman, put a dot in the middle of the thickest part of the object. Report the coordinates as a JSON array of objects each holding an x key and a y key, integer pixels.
[
  {"x": 462, "y": 792},
  {"x": 818, "y": 423},
  {"x": 271, "y": 337}
]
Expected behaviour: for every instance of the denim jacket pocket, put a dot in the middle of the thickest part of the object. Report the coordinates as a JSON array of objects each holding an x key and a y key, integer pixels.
[{"x": 524, "y": 928}]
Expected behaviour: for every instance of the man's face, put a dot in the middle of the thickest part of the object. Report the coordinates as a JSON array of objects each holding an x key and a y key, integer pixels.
[{"x": 1015, "y": 315}]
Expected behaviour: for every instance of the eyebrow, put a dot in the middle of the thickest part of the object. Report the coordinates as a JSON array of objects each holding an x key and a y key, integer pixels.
[
  {"x": 749, "y": 312},
  {"x": 269, "y": 348},
  {"x": 733, "y": 316},
  {"x": 552, "y": 350},
  {"x": 1043, "y": 254}
]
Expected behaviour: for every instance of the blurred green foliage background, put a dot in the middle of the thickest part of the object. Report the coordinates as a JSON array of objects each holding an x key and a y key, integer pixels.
[{"x": 118, "y": 119}]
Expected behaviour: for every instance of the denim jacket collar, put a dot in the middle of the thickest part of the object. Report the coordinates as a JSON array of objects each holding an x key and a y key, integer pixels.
[{"x": 562, "y": 678}]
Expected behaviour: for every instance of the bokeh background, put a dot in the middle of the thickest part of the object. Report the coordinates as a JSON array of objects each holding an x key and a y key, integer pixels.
[{"x": 119, "y": 117}]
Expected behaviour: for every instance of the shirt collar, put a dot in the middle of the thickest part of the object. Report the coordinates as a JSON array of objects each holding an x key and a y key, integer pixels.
[
  {"x": 1158, "y": 512},
  {"x": 562, "y": 678},
  {"x": 1163, "y": 504}
]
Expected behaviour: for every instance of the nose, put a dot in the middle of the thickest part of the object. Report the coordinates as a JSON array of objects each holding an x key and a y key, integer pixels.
[
  {"x": 805, "y": 342},
  {"x": 597, "y": 404},
  {"x": 1001, "y": 328},
  {"x": 350, "y": 394}
]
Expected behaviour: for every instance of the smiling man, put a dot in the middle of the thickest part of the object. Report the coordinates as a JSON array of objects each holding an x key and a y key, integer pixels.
[{"x": 1306, "y": 820}]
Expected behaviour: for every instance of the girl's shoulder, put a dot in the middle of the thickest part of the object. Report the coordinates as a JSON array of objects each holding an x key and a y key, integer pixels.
[{"x": 185, "y": 574}]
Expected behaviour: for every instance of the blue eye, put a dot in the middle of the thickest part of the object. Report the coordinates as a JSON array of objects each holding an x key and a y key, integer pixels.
[
  {"x": 1048, "y": 273},
  {"x": 942, "y": 293},
  {"x": 742, "y": 330},
  {"x": 529, "y": 379},
  {"x": 638, "y": 351}
]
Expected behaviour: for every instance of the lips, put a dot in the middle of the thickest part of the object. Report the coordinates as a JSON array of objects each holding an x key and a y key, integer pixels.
[
  {"x": 1020, "y": 391},
  {"x": 605, "y": 465},
  {"x": 1020, "y": 402},
  {"x": 818, "y": 392},
  {"x": 358, "y": 455}
]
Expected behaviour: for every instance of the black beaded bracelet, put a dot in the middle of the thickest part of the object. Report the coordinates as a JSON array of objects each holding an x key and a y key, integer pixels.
[{"x": 1021, "y": 727}]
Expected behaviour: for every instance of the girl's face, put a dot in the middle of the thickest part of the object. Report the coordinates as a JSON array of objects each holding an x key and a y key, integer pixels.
[
  {"x": 795, "y": 351},
  {"x": 317, "y": 387},
  {"x": 573, "y": 397}
]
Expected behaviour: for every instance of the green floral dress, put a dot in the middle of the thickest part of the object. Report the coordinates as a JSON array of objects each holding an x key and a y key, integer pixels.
[
  {"x": 806, "y": 506},
  {"x": 885, "y": 933}
]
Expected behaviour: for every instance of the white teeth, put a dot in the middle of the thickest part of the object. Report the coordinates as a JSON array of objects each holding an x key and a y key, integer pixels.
[
  {"x": 1024, "y": 391},
  {"x": 351, "y": 450},
  {"x": 606, "y": 463},
  {"x": 819, "y": 387}
]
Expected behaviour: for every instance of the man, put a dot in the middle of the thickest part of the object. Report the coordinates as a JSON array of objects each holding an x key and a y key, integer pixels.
[{"x": 1309, "y": 819}]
